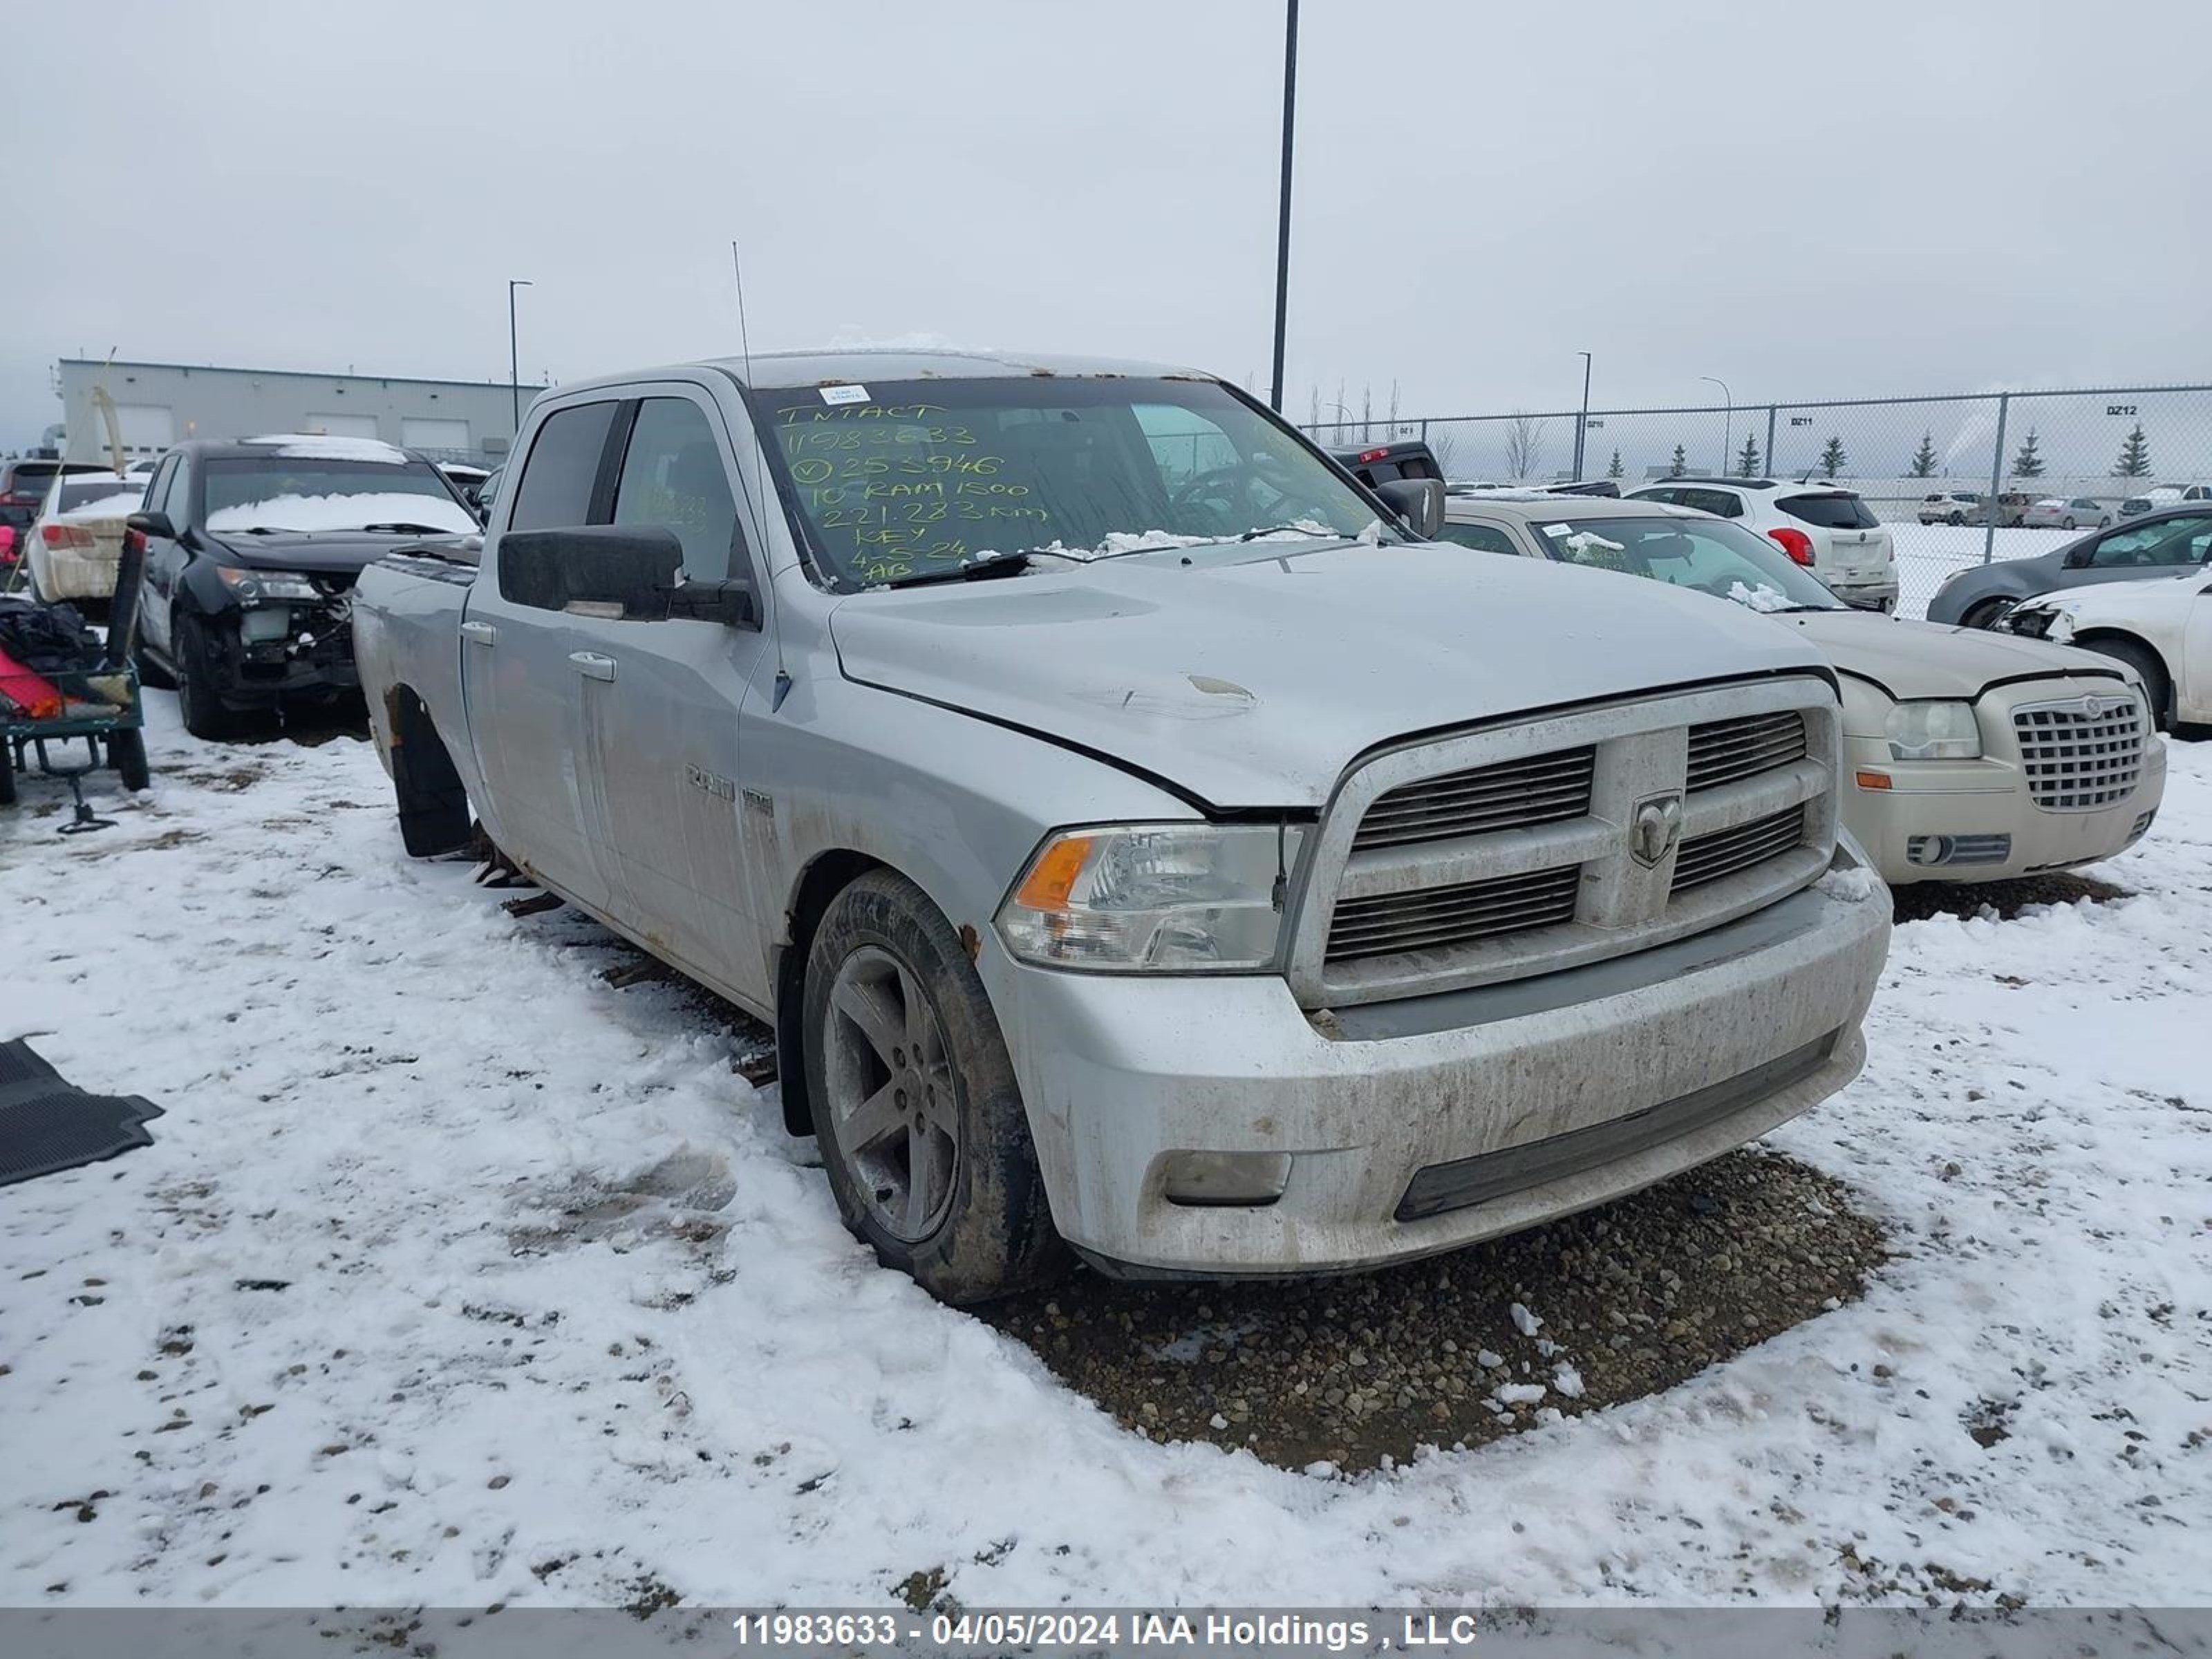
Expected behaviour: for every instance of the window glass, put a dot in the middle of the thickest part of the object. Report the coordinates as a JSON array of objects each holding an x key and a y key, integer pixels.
[
  {"x": 2176, "y": 541},
  {"x": 904, "y": 479},
  {"x": 672, "y": 475},
  {"x": 280, "y": 492},
  {"x": 1720, "y": 502},
  {"x": 1724, "y": 560},
  {"x": 555, "y": 492},
  {"x": 1184, "y": 443},
  {"x": 157, "y": 492},
  {"x": 1830, "y": 512},
  {"x": 1483, "y": 538}
]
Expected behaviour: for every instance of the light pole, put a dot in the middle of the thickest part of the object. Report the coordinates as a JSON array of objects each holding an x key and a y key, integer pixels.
[
  {"x": 1728, "y": 421},
  {"x": 1283, "y": 228},
  {"x": 514, "y": 356},
  {"x": 1582, "y": 421}
]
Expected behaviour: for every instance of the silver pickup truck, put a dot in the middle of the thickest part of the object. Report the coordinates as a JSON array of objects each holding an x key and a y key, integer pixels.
[{"x": 1142, "y": 838}]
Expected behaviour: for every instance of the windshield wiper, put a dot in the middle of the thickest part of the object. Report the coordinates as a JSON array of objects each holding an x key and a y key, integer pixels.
[
  {"x": 993, "y": 564},
  {"x": 263, "y": 530},
  {"x": 1302, "y": 529},
  {"x": 402, "y": 527}
]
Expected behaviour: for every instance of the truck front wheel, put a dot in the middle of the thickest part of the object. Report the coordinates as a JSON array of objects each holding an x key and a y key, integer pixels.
[{"x": 915, "y": 1103}]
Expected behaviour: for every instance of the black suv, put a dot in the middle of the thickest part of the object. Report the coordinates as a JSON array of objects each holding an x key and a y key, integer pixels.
[{"x": 252, "y": 548}]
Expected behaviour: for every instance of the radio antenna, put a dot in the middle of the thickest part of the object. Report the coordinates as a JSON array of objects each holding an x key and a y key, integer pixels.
[{"x": 760, "y": 461}]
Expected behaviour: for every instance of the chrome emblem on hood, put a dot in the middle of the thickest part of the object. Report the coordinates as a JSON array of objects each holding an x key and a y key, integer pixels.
[{"x": 1656, "y": 828}]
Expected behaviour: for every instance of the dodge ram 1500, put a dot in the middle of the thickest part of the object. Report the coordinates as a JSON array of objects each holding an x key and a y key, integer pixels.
[{"x": 1142, "y": 837}]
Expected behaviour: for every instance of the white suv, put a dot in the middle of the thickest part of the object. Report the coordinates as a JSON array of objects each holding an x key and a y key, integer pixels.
[
  {"x": 1952, "y": 507},
  {"x": 1828, "y": 530}
]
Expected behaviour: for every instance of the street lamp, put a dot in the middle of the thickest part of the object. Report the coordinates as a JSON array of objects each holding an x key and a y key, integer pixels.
[
  {"x": 1582, "y": 421},
  {"x": 513, "y": 356},
  {"x": 1283, "y": 226},
  {"x": 1728, "y": 421}
]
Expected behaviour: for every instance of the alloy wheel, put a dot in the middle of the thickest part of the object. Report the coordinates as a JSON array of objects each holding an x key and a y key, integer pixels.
[{"x": 889, "y": 1089}]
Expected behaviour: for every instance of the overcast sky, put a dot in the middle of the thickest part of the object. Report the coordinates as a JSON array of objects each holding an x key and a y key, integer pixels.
[{"x": 1805, "y": 200}]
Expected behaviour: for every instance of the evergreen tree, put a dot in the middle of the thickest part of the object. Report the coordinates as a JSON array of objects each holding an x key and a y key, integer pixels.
[
  {"x": 1616, "y": 469},
  {"x": 1832, "y": 458},
  {"x": 1746, "y": 464},
  {"x": 1923, "y": 459},
  {"x": 1680, "y": 463},
  {"x": 2134, "y": 456},
  {"x": 2027, "y": 463}
]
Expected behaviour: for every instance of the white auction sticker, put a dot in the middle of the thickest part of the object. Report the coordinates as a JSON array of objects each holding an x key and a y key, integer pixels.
[{"x": 844, "y": 394}]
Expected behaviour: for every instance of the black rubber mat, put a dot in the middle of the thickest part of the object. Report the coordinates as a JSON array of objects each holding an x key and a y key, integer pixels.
[{"x": 48, "y": 1123}]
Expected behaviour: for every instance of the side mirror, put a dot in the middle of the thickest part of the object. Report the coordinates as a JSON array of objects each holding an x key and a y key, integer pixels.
[
  {"x": 1418, "y": 501},
  {"x": 2077, "y": 558},
  {"x": 155, "y": 527},
  {"x": 625, "y": 570}
]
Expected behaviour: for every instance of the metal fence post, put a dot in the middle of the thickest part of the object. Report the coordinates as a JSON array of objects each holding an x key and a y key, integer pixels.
[
  {"x": 1769, "y": 437},
  {"x": 1991, "y": 509}
]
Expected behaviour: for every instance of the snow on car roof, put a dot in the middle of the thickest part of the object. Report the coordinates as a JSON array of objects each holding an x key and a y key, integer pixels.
[
  {"x": 127, "y": 498},
  {"x": 322, "y": 446}
]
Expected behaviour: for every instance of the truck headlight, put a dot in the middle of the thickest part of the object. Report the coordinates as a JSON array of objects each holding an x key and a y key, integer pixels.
[
  {"x": 1179, "y": 898},
  {"x": 1934, "y": 730},
  {"x": 266, "y": 586}
]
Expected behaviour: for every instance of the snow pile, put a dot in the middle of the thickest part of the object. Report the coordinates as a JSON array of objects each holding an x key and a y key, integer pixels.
[
  {"x": 345, "y": 513},
  {"x": 456, "y": 1275},
  {"x": 322, "y": 446},
  {"x": 1761, "y": 598}
]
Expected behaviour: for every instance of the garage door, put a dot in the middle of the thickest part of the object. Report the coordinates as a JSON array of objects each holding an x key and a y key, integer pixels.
[
  {"x": 342, "y": 426},
  {"x": 147, "y": 428},
  {"x": 423, "y": 432}
]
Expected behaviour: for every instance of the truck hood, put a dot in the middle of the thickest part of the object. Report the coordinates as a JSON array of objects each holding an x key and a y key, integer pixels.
[
  {"x": 1924, "y": 659},
  {"x": 1251, "y": 679},
  {"x": 330, "y": 551}
]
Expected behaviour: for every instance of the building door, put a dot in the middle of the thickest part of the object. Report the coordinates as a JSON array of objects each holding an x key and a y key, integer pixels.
[
  {"x": 431, "y": 432},
  {"x": 342, "y": 426}
]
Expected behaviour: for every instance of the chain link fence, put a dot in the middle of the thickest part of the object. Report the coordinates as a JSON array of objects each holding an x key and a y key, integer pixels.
[{"x": 1959, "y": 478}]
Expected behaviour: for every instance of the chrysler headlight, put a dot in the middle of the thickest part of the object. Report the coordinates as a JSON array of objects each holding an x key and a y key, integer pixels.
[
  {"x": 1934, "y": 730},
  {"x": 266, "y": 586},
  {"x": 1178, "y": 898}
]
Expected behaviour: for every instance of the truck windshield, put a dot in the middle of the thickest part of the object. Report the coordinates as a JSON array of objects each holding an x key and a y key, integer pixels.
[
  {"x": 1724, "y": 560},
  {"x": 902, "y": 479},
  {"x": 276, "y": 493}
]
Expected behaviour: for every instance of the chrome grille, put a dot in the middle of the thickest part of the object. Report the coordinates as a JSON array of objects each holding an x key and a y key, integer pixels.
[
  {"x": 1511, "y": 795},
  {"x": 1725, "y": 852},
  {"x": 1720, "y": 751},
  {"x": 1441, "y": 916},
  {"x": 2083, "y": 754}
]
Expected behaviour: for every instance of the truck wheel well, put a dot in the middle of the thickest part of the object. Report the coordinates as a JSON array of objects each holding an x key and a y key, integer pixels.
[
  {"x": 434, "y": 805},
  {"x": 826, "y": 878}
]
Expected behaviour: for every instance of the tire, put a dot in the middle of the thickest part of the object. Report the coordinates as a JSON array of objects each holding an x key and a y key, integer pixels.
[
  {"x": 1956, "y": 518},
  {"x": 1984, "y": 614},
  {"x": 2144, "y": 660},
  {"x": 126, "y": 753},
  {"x": 205, "y": 714},
  {"x": 2071, "y": 525},
  {"x": 942, "y": 1181}
]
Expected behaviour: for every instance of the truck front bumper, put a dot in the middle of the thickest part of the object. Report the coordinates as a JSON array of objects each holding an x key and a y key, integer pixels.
[{"x": 1399, "y": 1129}]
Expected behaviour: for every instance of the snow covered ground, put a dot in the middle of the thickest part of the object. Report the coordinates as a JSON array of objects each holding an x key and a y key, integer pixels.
[{"x": 457, "y": 1275}]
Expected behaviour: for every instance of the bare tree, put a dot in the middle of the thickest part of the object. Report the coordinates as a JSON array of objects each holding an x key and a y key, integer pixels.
[
  {"x": 1367, "y": 414},
  {"x": 1443, "y": 444},
  {"x": 1524, "y": 445},
  {"x": 1390, "y": 430}
]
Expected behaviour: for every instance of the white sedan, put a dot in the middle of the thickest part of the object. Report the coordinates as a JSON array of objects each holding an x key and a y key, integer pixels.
[
  {"x": 2160, "y": 628},
  {"x": 2067, "y": 512},
  {"x": 74, "y": 547}
]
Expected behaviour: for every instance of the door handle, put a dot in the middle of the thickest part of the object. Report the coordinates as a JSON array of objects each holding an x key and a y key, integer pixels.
[
  {"x": 482, "y": 632},
  {"x": 592, "y": 666}
]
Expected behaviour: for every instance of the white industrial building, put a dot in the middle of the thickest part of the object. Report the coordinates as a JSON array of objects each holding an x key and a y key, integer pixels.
[{"x": 158, "y": 404}]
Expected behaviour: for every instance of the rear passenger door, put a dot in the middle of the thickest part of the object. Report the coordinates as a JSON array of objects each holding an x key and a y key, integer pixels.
[
  {"x": 662, "y": 706},
  {"x": 520, "y": 675}
]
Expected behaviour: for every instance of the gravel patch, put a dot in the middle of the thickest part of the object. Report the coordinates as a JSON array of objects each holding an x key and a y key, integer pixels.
[
  {"x": 2002, "y": 899},
  {"x": 1360, "y": 1372}
]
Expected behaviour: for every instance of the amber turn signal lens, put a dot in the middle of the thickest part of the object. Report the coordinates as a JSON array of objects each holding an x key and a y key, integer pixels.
[
  {"x": 1873, "y": 779},
  {"x": 1049, "y": 884}
]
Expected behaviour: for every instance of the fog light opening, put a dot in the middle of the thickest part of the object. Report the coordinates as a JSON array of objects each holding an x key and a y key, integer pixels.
[
  {"x": 1201, "y": 1180},
  {"x": 1930, "y": 851}
]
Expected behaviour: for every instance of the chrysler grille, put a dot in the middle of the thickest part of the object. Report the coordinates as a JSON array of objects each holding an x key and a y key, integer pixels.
[
  {"x": 1512, "y": 795},
  {"x": 2080, "y": 754},
  {"x": 1452, "y": 915},
  {"x": 1720, "y": 751}
]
